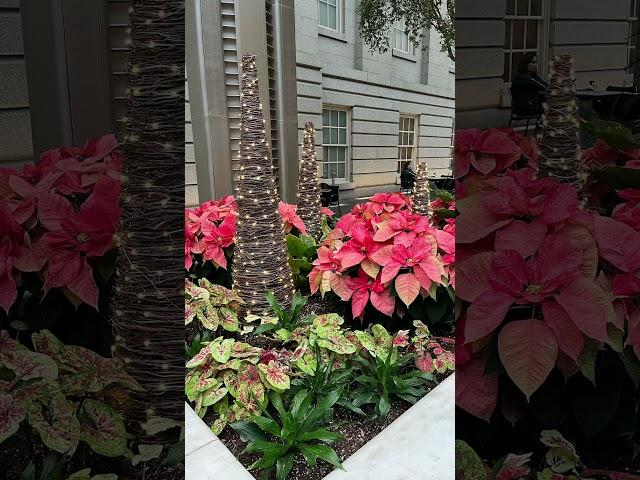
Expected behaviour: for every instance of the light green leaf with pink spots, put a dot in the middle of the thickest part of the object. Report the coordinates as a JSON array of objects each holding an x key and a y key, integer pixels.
[{"x": 102, "y": 428}]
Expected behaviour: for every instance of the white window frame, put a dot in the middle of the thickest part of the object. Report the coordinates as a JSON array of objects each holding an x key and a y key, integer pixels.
[
  {"x": 631, "y": 48},
  {"x": 400, "y": 28},
  {"x": 339, "y": 15},
  {"x": 347, "y": 161},
  {"x": 542, "y": 43},
  {"x": 413, "y": 146}
]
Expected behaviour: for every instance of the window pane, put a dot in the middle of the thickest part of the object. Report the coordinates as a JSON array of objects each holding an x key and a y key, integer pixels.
[
  {"x": 410, "y": 139},
  {"x": 507, "y": 34},
  {"x": 325, "y": 117},
  {"x": 331, "y": 2},
  {"x": 507, "y": 70},
  {"x": 342, "y": 136},
  {"x": 325, "y": 170},
  {"x": 515, "y": 60},
  {"x": 333, "y": 170},
  {"x": 342, "y": 154},
  {"x": 411, "y": 124},
  {"x": 405, "y": 42},
  {"x": 511, "y": 7},
  {"x": 523, "y": 7},
  {"x": 334, "y": 135},
  {"x": 536, "y": 7},
  {"x": 518, "y": 34},
  {"x": 323, "y": 14},
  {"x": 332, "y": 21},
  {"x": 532, "y": 34},
  {"x": 334, "y": 118},
  {"x": 342, "y": 117},
  {"x": 325, "y": 154},
  {"x": 341, "y": 170},
  {"x": 326, "y": 135},
  {"x": 333, "y": 154}
]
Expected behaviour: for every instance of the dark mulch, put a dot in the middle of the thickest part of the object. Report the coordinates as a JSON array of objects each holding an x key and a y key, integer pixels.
[{"x": 356, "y": 431}]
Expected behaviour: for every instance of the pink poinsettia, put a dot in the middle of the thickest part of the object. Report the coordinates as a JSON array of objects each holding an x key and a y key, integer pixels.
[
  {"x": 571, "y": 304},
  {"x": 628, "y": 212},
  {"x": 601, "y": 154},
  {"x": 327, "y": 212},
  {"x": 389, "y": 202},
  {"x": 216, "y": 238},
  {"x": 420, "y": 258},
  {"x": 10, "y": 239},
  {"x": 365, "y": 288},
  {"x": 485, "y": 151},
  {"x": 358, "y": 251},
  {"x": 326, "y": 275},
  {"x": 291, "y": 218},
  {"x": 403, "y": 228}
]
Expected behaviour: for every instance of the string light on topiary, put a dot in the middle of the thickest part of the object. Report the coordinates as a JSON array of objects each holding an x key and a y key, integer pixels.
[
  {"x": 421, "y": 194},
  {"x": 309, "y": 205},
  {"x": 260, "y": 236},
  {"x": 560, "y": 156}
]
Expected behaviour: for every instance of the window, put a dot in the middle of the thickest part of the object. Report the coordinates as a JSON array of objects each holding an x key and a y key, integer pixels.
[
  {"x": 632, "y": 39},
  {"x": 330, "y": 14},
  {"x": 523, "y": 28},
  {"x": 406, "y": 141},
  {"x": 401, "y": 37},
  {"x": 335, "y": 143}
]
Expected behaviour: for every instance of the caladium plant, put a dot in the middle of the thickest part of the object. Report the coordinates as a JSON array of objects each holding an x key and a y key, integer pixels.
[
  {"x": 233, "y": 379},
  {"x": 213, "y": 305},
  {"x": 61, "y": 391}
]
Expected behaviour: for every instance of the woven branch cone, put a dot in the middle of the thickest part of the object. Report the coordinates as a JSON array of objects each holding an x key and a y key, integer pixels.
[
  {"x": 560, "y": 151},
  {"x": 146, "y": 301},
  {"x": 309, "y": 205},
  {"x": 260, "y": 260},
  {"x": 421, "y": 191}
]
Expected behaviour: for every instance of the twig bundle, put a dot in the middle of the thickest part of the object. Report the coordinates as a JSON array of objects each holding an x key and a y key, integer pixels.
[
  {"x": 260, "y": 262},
  {"x": 309, "y": 204}
]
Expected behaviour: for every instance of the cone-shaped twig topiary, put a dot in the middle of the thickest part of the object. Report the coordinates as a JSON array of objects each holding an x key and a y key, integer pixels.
[
  {"x": 559, "y": 151},
  {"x": 309, "y": 204},
  {"x": 421, "y": 191},
  {"x": 146, "y": 298},
  {"x": 260, "y": 259}
]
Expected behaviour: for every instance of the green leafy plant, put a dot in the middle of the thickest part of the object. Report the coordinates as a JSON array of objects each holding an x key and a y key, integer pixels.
[
  {"x": 302, "y": 251},
  {"x": 199, "y": 341},
  {"x": 385, "y": 373},
  {"x": 62, "y": 391},
  {"x": 431, "y": 356},
  {"x": 294, "y": 431},
  {"x": 233, "y": 378},
  {"x": 284, "y": 321},
  {"x": 213, "y": 305}
]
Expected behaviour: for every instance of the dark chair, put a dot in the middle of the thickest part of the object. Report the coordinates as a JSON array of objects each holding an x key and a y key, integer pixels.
[
  {"x": 614, "y": 88},
  {"x": 407, "y": 180},
  {"x": 330, "y": 194},
  {"x": 524, "y": 108}
]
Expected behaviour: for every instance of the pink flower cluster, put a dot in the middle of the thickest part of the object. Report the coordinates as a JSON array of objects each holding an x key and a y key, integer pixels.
[
  {"x": 381, "y": 244},
  {"x": 526, "y": 246},
  {"x": 57, "y": 215},
  {"x": 209, "y": 230}
]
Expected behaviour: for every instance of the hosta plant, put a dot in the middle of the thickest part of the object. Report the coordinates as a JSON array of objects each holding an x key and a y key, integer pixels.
[
  {"x": 233, "y": 379},
  {"x": 296, "y": 430},
  {"x": 385, "y": 373},
  {"x": 66, "y": 393},
  {"x": 213, "y": 305}
]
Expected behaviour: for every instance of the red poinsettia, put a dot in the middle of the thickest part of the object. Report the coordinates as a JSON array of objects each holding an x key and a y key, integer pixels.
[{"x": 365, "y": 288}]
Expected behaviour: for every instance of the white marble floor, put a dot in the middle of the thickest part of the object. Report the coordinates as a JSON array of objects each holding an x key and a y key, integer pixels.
[{"x": 419, "y": 445}]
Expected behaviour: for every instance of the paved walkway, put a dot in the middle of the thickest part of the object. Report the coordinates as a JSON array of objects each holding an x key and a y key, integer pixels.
[{"x": 419, "y": 445}]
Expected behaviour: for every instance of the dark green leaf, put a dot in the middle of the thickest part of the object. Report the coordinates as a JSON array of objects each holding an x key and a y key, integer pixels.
[
  {"x": 267, "y": 425},
  {"x": 631, "y": 365},
  {"x": 323, "y": 452},
  {"x": 383, "y": 406},
  {"x": 321, "y": 434},
  {"x": 175, "y": 455},
  {"x": 259, "y": 446},
  {"x": 270, "y": 457},
  {"x": 248, "y": 430},
  {"x": 284, "y": 466}
]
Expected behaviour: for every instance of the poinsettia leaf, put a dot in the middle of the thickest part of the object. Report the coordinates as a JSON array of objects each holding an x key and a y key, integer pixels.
[
  {"x": 56, "y": 422},
  {"x": 407, "y": 287},
  {"x": 528, "y": 350},
  {"x": 102, "y": 428},
  {"x": 11, "y": 414}
]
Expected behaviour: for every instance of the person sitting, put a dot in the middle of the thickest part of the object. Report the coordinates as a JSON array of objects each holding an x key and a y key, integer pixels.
[
  {"x": 407, "y": 177},
  {"x": 527, "y": 88}
]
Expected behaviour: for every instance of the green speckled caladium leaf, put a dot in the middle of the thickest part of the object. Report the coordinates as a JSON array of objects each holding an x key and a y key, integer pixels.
[
  {"x": 189, "y": 313},
  {"x": 82, "y": 370},
  {"x": 190, "y": 386},
  {"x": 208, "y": 368},
  {"x": 337, "y": 342},
  {"x": 422, "y": 331},
  {"x": 208, "y": 316},
  {"x": 102, "y": 428},
  {"x": 35, "y": 390},
  {"x": 325, "y": 324},
  {"x": 194, "y": 292},
  {"x": 218, "y": 426},
  {"x": 244, "y": 350},
  {"x": 200, "y": 357},
  {"x": 221, "y": 351},
  {"x": 27, "y": 365},
  {"x": 307, "y": 364},
  {"x": 299, "y": 335},
  {"x": 219, "y": 295},
  {"x": 367, "y": 341},
  {"x": 382, "y": 340},
  {"x": 47, "y": 343},
  {"x": 230, "y": 379},
  {"x": 282, "y": 334},
  {"x": 250, "y": 389},
  {"x": 233, "y": 364},
  {"x": 56, "y": 422},
  {"x": 204, "y": 384},
  {"x": 8, "y": 344},
  {"x": 11, "y": 414},
  {"x": 299, "y": 352},
  {"x": 276, "y": 375},
  {"x": 228, "y": 319},
  {"x": 212, "y": 396}
]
